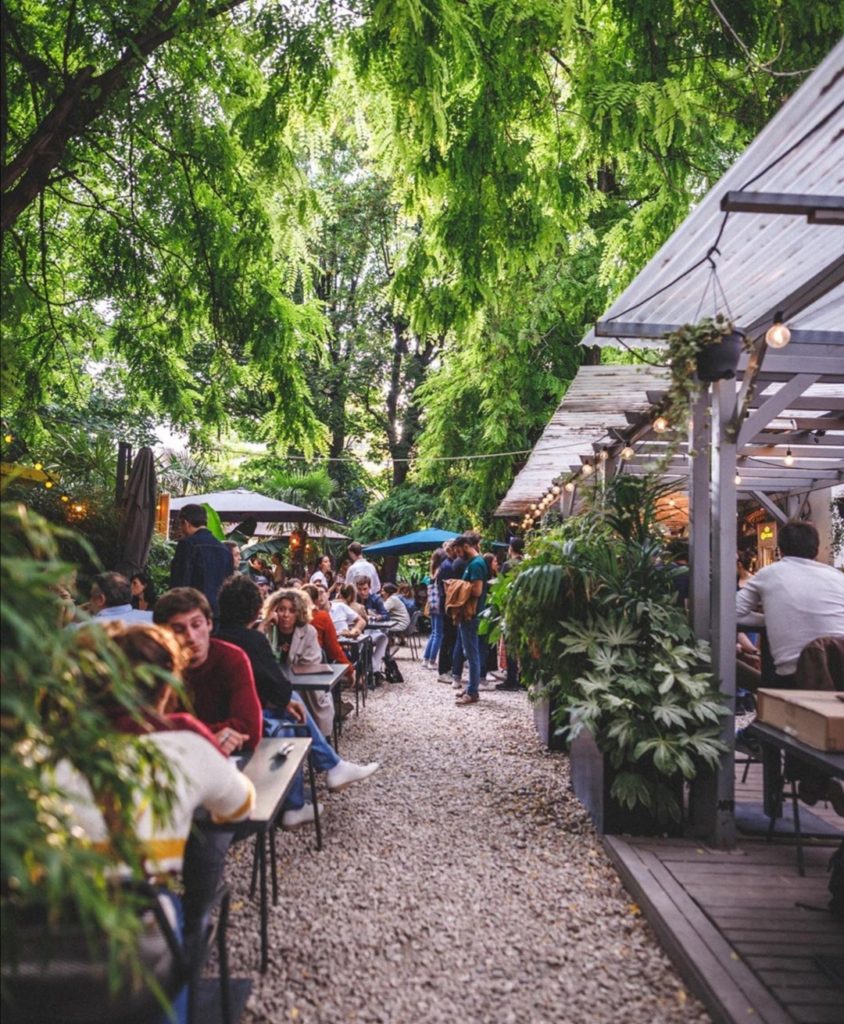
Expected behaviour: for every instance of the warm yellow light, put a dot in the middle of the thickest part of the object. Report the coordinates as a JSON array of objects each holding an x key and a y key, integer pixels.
[
  {"x": 65, "y": 498},
  {"x": 569, "y": 487},
  {"x": 8, "y": 438},
  {"x": 603, "y": 456},
  {"x": 627, "y": 453},
  {"x": 38, "y": 465},
  {"x": 778, "y": 335},
  {"x": 660, "y": 424},
  {"x": 48, "y": 484},
  {"x": 587, "y": 468},
  {"x": 789, "y": 458}
]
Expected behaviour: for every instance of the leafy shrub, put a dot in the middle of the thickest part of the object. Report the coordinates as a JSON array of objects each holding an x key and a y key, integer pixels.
[{"x": 593, "y": 614}]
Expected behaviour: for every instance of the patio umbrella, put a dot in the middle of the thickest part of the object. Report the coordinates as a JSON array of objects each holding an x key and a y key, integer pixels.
[
  {"x": 137, "y": 516},
  {"x": 409, "y": 543}
]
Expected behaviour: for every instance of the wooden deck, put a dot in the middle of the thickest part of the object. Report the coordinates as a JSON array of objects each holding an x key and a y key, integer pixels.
[{"x": 737, "y": 923}]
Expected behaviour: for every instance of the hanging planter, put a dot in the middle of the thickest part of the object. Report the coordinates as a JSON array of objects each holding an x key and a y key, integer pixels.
[
  {"x": 718, "y": 358},
  {"x": 698, "y": 354}
]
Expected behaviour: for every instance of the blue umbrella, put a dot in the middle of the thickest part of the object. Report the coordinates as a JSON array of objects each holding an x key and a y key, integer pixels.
[{"x": 422, "y": 540}]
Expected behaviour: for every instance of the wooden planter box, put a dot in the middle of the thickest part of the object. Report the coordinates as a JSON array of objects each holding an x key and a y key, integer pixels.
[
  {"x": 542, "y": 711},
  {"x": 591, "y": 779}
]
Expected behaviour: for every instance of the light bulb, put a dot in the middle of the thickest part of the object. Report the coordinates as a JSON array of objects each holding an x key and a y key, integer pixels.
[
  {"x": 48, "y": 484},
  {"x": 38, "y": 465},
  {"x": 603, "y": 455},
  {"x": 738, "y": 479},
  {"x": 660, "y": 424},
  {"x": 533, "y": 507},
  {"x": 627, "y": 453},
  {"x": 569, "y": 487},
  {"x": 8, "y": 438},
  {"x": 65, "y": 498},
  {"x": 587, "y": 468},
  {"x": 556, "y": 492},
  {"x": 778, "y": 335},
  {"x": 789, "y": 458}
]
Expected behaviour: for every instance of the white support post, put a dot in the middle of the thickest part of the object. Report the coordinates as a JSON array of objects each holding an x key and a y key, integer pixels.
[
  {"x": 723, "y": 609},
  {"x": 699, "y": 557}
]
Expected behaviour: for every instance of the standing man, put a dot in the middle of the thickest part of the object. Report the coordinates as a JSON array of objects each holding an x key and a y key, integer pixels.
[
  {"x": 446, "y": 656},
  {"x": 201, "y": 561},
  {"x": 360, "y": 567},
  {"x": 476, "y": 574}
]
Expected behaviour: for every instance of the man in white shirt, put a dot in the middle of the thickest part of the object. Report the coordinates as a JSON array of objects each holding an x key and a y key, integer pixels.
[
  {"x": 800, "y": 599},
  {"x": 361, "y": 567},
  {"x": 111, "y": 598}
]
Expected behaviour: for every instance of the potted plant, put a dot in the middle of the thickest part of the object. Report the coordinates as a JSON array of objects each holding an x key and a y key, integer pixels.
[
  {"x": 699, "y": 353},
  {"x": 631, "y": 684}
]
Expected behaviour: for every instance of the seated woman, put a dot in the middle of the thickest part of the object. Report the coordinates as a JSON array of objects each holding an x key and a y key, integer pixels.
[
  {"x": 405, "y": 593},
  {"x": 396, "y": 609},
  {"x": 348, "y": 616},
  {"x": 143, "y": 592},
  {"x": 206, "y": 779},
  {"x": 240, "y": 606},
  {"x": 323, "y": 572}
]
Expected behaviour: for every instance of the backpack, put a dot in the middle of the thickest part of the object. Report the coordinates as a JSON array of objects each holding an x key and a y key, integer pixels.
[{"x": 392, "y": 671}]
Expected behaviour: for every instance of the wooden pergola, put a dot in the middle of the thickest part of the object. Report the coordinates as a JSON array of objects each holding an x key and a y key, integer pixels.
[{"x": 766, "y": 244}]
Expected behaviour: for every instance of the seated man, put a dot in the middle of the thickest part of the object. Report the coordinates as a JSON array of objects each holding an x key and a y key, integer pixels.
[
  {"x": 800, "y": 599},
  {"x": 111, "y": 599},
  {"x": 240, "y": 605},
  {"x": 377, "y": 612},
  {"x": 218, "y": 676},
  {"x": 396, "y": 609}
]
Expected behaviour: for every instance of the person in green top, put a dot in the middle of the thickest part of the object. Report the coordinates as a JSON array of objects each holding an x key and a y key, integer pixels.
[{"x": 476, "y": 573}]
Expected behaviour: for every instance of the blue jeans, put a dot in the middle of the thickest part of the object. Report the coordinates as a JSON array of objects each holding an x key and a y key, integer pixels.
[
  {"x": 432, "y": 648},
  {"x": 466, "y": 649},
  {"x": 277, "y": 723},
  {"x": 178, "y": 1012}
]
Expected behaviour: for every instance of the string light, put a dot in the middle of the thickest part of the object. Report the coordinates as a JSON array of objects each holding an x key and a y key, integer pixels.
[
  {"x": 587, "y": 468},
  {"x": 38, "y": 466},
  {"x": 570, "y": 486},
  {"x": 627, "y": 453},
  {"x": 738, "y": 479},
  {"x": 8, "y": 438},
  {"x": 65, "y": 498},
  {"x": 660, "y": 424},
  {"x": 48, "y": 484},
  {"x": 778, "y": 335},
  {"x": 789, "y": 458},
  {"x": 556, "y": 491}
]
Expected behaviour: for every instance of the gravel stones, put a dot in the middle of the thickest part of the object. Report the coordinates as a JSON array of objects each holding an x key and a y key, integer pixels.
[{"x": 462, "y": 882}]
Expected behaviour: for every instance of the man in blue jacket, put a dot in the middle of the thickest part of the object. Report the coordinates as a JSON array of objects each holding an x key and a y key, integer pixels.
[{"x": 201, "y": 561}]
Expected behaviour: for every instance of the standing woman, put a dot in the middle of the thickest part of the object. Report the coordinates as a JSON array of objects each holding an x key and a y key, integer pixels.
[
  {"x": 143, "y": 592},
  {"x": 323, "y": 572},
  {"x": 435, "y": 612}
]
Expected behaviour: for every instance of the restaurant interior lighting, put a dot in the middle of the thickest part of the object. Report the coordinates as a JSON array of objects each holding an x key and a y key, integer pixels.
[{"x": 778, "y": 335}]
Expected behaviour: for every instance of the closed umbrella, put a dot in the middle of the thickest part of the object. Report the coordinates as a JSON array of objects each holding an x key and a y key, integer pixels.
[{"x": 137, "y": 517}]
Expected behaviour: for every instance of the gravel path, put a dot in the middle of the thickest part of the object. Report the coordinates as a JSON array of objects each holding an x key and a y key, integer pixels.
[{"x": 461, "y": 883}]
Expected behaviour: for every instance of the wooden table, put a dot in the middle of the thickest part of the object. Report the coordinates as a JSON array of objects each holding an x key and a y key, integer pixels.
[
  {"x": 272, "y": 775},
  {"x": 327, "y": 681},
  {"x": 775, "y": 744}
]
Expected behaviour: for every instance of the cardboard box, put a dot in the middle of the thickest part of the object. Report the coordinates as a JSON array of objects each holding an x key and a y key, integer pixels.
[{"x": 816, "y": 717}]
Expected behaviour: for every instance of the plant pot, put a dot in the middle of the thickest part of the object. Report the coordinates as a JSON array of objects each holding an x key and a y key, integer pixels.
[
  {"x": 543, "y": 721},
  {"x": 720, "y": 361},
  {"x": 592, "y": 778}
]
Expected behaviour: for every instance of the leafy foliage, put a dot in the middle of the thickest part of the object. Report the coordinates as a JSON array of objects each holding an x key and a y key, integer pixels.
[
  {"x": 404, "y": 510},
  {"x": 593, "y": 614},
  {"x": 50, "y": 714}
]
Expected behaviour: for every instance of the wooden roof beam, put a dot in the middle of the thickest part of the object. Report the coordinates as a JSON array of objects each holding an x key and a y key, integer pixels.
[{"x": 831, "y": 208}]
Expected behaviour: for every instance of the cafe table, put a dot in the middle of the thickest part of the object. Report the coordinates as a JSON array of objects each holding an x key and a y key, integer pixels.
[
  {"x": 328, "y": 681},
  {"x": 271, "y": 769}
]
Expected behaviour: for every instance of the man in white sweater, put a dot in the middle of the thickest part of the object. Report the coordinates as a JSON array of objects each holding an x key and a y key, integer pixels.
[{"x": 800, "y": 599}]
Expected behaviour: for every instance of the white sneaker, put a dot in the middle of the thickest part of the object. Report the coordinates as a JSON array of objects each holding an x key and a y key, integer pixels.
[
  {"x": 299, "y": 817},
  {"x": 445, "y": 677},
  {"x": 346, "y": 772},
  {"x": 457, "y": 683},
  {"x": 486, "y": 684}
]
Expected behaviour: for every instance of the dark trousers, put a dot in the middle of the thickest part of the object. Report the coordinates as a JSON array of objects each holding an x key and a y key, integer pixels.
[
  {"x": 205, "y": 858},
  {"x": 447, "y": 645}
]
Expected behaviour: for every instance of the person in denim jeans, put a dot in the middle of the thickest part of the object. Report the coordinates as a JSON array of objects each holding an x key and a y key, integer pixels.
[
  {"x": 435, "y": 612},
  {"x": 476, "y": 573}
]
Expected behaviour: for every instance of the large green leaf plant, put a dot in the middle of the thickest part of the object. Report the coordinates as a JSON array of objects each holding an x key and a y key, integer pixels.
[{"x": 593, "y": 614}]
